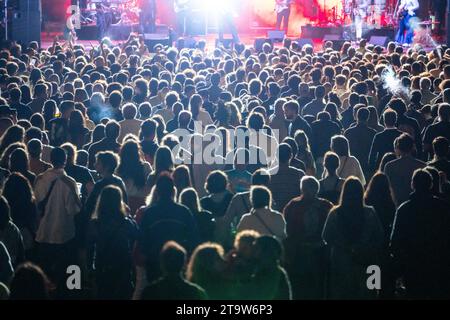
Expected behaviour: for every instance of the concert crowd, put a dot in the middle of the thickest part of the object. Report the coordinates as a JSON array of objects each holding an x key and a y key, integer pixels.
[{"x": 201, "y": 173}]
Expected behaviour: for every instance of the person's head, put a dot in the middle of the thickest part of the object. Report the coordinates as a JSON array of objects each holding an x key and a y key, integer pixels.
[
  {"x": 106, "y": 163},
  {"x": 388, "y": 157},
  {"x": 390, "y": 118},
  {"x": 268, "y": 252},
  {"x": 291, "y": 109},
  {"x": 244, "y": 241},
  {"x": 18, "y": 160},
  {"x": 260, "y": 197},
  {"x": 340, "y": 145},
  {"x": 378, "y": 188},
  {"x": 206, "y": 263},
  {"x": 441, "y": 147},
  {"x": 352, "y": 193},
  {"x": 261, "y": 177},
  {"x": 190, "y": 199},
  {"x": 284, "y": 154},
  {"x": 422, "y": 181},
  {"x": 309, "y": 187},
  {"x": 148, "y": 129},
  {"x": 66, "y": 108},
  {"x": 129, "y": 111},
  {"x": 165, "y": 187},
  {"x": 444, "y": 112},
  {"x": 404, "y": 145},
  {"x": 34, "y": 147},
  {"x": 163, "y": 159},
  {"x": 184, "y": 118},
  {"x": 319, "y": 92},
  {"x": 112, "y": 130},
  {"x": 29, "y": 283},
  {"x": 362, "y": 115},
  {"x": 172, "y": 258},
  {"x": 110, "y": 206},
  {"x": 216, "y": 182},
  {"x": 71, "y": 152},
  {"x": 331, "y": 163},
  {"x": 58, "y": 158},
  {"x": 181, "y": 177}
]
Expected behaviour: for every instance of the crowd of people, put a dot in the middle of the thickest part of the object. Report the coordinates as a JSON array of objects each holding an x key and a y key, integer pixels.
[{"x": 203, "y": 173}]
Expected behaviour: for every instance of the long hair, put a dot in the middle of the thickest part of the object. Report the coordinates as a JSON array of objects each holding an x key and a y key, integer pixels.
[
  {"x": 379, "y": 191},
  {"x": 163, "y": 160},
  {"x": 201, "y": 268},
  {"x": 110, "y": 206},
  {"x": 350, "y": 209},
  {"x": 189, "y": 198},
  {"x": 76, "y": 122},
  {"x": 20, "y": 197},
  {"x": 29, "y": 283},
  {"x": 18, "y": 161},
  {"x": 131, "y": 163},
  {"x": 12, "y": 134},
  {"x": 182, "y": 178}
]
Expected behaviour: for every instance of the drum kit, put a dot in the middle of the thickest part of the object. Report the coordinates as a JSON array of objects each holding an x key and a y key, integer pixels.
[{"x": 122, "y": 12}]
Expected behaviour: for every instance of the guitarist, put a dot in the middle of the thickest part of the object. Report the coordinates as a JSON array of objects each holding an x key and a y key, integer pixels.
[
  {"x": 283, "y": 10},
  {"x": 181, "y": 8},
  {"x": 406, "y": 11}
]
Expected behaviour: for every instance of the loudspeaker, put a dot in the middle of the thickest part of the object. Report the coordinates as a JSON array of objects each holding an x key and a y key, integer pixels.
[
  {"x": 304, "y": 41},
  {"x": 151, "y": 40},
  {"x": 276, "y": 35},
  {"x": 379, "y": 41},
  {"x": 25, "y": 23},
  {"x": 259, "y": 42}
]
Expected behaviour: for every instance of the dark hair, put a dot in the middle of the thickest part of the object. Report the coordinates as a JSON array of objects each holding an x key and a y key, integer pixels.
[
  {"x": 261, "y": 177},
  {"x": 422, "y": 181},
  {"x": 112, "y": 130},
  {"x": 331, "y": 162},
  {"x": 29, "y": 283},
  {"x": 163, "y": 160},
  {"x": 404, "y": 143},
  {"x": 164, "y": 187},
  {"x": 441, "y": 146},
  {"x": 173, "y": 258},
  {"x": 339, "y": 144},
  {"x": 216, "y": 182},
  {"x": 182, "y": 178},
  {"x": 379, "y": 191},
  {"x": 58, "y": 157},
  {"x": 350, "y": 211},
  {"x": 131, "y": 163},
  {"x": 108, "y": 159},
  {"x": 260, "y": 197},
  {"x": 109, "y": 206},
  {"x": 284, "y": 153},
  {"x": 18, "y": 161}
]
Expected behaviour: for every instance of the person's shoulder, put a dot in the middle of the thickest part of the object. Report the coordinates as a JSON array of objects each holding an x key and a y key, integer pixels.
[{"x": 68, "y": 180}]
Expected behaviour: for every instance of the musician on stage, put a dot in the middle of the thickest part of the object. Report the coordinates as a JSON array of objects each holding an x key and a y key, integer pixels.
[
  {"x": 147, "y": 16},
  {"x": 104, "y": 21},
  {"x": 283, "y": 9},
  {"x": 226, "y": 15},
  {"x": 406, "y": 11},
  {"x": 360, "y": 8},
  {"x": 181, "y": 8}
]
